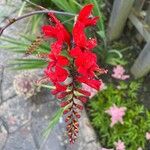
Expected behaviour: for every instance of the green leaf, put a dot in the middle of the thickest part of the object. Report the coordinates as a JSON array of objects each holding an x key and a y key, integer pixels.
[
  {"x": 66, "y": 5},
  {"x": 116, "y": 52},
  {"x": 13, "y": 41},
  {"x": 53, "y": 122},
  {"x": 97, "y": 12},
  {"x": 36, "y": 23},
  {"x": 28, "y": 66},
  {"x": 101, "y": 34},
  {"x": 47, "y": 86},
  {"x": 22, "y": 64},
  {"x": 22, "y": 8}
]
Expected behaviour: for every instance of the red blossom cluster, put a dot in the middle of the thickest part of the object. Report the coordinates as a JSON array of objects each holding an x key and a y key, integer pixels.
[{"x": 70, "y": 66}]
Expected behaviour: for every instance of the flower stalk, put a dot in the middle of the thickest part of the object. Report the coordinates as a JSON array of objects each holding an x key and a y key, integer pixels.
[
  {"x": 71, "y": 63},
  {"x": 13, "y": 20}
]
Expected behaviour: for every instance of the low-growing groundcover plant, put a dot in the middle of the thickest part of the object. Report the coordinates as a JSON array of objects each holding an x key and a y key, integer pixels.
[{"x": 120, "y": 120}]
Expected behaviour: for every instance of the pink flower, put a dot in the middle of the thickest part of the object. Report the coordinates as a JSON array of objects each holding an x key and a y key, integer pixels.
[
  {"x": 116, "y": 114},
  {"x": 118, "y": 73},
  {"x": 148, "y": 135},
  {"x": 119, "y": 145},
  {"x": 92, "y": 90}
]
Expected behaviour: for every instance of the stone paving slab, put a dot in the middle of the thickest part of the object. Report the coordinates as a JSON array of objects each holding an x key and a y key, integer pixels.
[{"x": 21, "y": 140}]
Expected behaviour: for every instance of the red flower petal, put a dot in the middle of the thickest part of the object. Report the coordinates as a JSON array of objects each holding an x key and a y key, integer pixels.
[
  {"x": 58, "y": 60},
  {"x": 56, "y": 47},
  {"x": 75, "y": 52},
  {"x": 79, "y": 35},
  {"x": 85, "y": 12},
  {"x": 62, "y": 61},
  {"x": 49, "y": 31},
  {"x": 86, "y": 64},
  {"x": 62, "y": 33},
  {"x": 91, "y": 43},
  {"x": 84, "y": 16},
  {"x": 59, "y": 88},
  {"x": 82, "y": 22},
  {"x": 61, "y": 74}
]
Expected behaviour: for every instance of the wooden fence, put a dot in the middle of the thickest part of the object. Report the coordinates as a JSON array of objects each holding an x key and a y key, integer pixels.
[{"x": 133, "y": 10}]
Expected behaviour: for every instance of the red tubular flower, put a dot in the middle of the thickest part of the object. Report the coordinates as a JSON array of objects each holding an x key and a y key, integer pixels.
[
  {"x": 59, "y": 75},
  {"x": 75, "y": 52},
  {"x": 58, "y": 31},
  {"x": 86, "y": 64},
  {"x": 58, "y": 88},
  {"x": 82, "y": 22},
  {"x": 90, "y": 82},
  {"x": 58, "y": 60},
  {"x": 84, "y": 16},
  {"x": 80, "y": 67},
  {"x": 80, "y": 38}
]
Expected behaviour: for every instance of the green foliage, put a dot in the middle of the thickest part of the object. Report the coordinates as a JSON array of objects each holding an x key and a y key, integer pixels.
[
  {"x": 21, "y": 46},
  {"x": 24, "y": 64},
  {"x": 136, "y": 119},
  {"x": 44, "y": 3},
  {"x": 53, "y": 122},
  {"x": 115, "y": 57}
]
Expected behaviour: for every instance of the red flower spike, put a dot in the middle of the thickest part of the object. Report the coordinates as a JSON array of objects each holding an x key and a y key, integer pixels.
[{"x": 78, "y": 67}]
